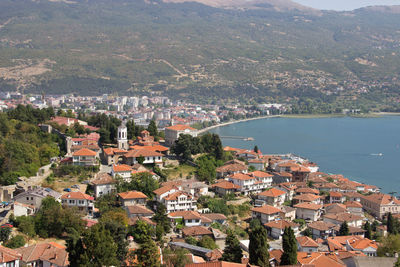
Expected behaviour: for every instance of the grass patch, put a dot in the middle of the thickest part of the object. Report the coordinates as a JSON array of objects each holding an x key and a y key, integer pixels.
[{"x": 179, "y": 172}]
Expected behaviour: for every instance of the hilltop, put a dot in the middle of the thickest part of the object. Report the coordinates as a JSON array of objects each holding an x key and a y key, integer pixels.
[{"x": 257, "y": 50}]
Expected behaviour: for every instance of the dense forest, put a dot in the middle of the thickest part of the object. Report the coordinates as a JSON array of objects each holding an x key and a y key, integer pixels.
[{"x": 24, "y": 147}]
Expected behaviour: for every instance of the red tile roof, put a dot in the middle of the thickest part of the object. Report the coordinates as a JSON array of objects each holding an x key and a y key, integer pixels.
[
  {"x": 226, "y": 185},
  {"x": 308, "y": 206},
  {"x": 142, "y": 153},
  {"x": 281, "y": 224},
  {"x": 273, "y": 192},
  {"x": 241, "y": 176},
  {"x": 195, "y": 231},
  {"x": 85, "y": 152},
  {"x": 8, "y": 254},
  {"x": 76, "y": 195},
  {"x": 122, "y": 168},
  {"x": 305, "y": 241},
  {"x": 261, "y": 174},
  {"x": 266, "y": 209},
  {"x": 180, "y": 127},
  {"x": 132, "y": 195}
]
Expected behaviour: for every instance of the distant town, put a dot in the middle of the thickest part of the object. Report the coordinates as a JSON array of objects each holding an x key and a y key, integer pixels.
[{"x": 134, "y": 181}]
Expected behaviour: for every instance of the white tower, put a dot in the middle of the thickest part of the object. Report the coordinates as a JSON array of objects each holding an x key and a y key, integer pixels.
[{"x": 122, "y": 137}]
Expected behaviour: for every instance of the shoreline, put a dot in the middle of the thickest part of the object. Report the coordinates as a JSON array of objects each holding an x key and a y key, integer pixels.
[{"x": 302, "y": 116}]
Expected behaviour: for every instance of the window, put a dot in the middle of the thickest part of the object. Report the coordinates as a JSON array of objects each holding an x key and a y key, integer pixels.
[
  {"x": 10, "y": 264},
  {"x": 80, "y": 202},
  {"x": 27, "y": 198},
  {"x": 72, "y": 202}
]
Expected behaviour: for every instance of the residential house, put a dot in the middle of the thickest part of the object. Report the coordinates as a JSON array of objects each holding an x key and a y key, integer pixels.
[
  {"x": 148, "y": 156},
  {"x": 33, "y": 198},
  {"x": 307, "y": 198},
  {"x": 352, "y": 230},
  {"x": 104, "y": 184},
  {"x": 138, "y": 211},
  {"x": 328, "y": 187},
  {"x": 196, "y": 232},
  {"x": 339, "y": 218},
  {"x": 334, "y": 208},
  {"x": 353, "y": 243},
  {"x": 80, "y": 200},
  {"x": 176, "y": 200},
  {"x": 164, "y": 191},
  {"x": 353, "y": 196},
  {"x": 224, "y": 187},
  {"x": 273, "y": 197},
  {"x": 307, "y": 190},
  {"x": 246, "y": 182},
  {"x": 113, "y": 155},
  {"x": 265, "y": 213},
  {"x": 380, "y": 204},
  {"x": 9, "y": 257},
  {"x": 21, "y": 209},
  {"x": 132, "y": 198},
  {"x": 172, "y": 133},
  {"x": 85, "y": 157},
  {"x": 231, "y": 167},
  {"x": 289, "y": 188},
  {"x": 319, "y": 259},
  {"x": 308, "y": 211},
  {"x": 190, "y": 218},
  {"x": 336, "y": 197},
  {"x": 288, "y": 213},
  {"x": 354, "y": 207},
  {"x": 258, "y": 164},
  {"x": 122, "y": 170},
  {"x": 276, "y": 228},
  {"x": 306, "y": 244},
  {"x": 321, "y": 229},
  {"x": 49, "y": 254},
  {"x": 264, "y": 179},
  {"x": 215, "y": 217},
  {"x": 282, "y": 177}
]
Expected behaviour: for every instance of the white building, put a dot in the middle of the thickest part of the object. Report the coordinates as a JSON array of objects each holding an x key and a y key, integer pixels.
[
  {"x": 80, "y": 200},
  {"x": 179, "y": 201},
  {"x": 172, "y": 133},
  {"x": 103, "y": 184},
  {"x": 122, "y": 137},
  {"x": 266, "y": 213},
  {"x": 308, "y": 211}
]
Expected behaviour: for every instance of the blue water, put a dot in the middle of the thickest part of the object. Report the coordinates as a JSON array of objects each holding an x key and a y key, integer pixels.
[{"x": 343, "y": 145}]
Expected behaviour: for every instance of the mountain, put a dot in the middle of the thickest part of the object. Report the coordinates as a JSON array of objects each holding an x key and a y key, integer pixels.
[{"x": 261, "y": 50}]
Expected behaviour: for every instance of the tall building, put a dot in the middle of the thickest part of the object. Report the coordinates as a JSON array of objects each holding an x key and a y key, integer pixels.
[{"x": 123, "y": 137}]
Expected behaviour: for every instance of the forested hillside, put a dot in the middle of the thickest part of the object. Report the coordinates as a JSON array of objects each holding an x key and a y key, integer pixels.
[
  {"x": 23, "y": 146},
  {"x": 199, "y": 52}
]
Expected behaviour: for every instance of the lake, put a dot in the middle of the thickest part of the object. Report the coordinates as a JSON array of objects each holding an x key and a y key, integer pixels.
[{"x": 362, "y": 149}]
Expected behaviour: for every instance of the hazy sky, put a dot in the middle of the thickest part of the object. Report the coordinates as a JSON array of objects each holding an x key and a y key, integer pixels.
[{"x": 345, "y": 4}]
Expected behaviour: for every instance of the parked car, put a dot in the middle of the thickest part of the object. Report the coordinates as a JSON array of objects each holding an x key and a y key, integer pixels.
[
  {"x": 7, "y": 225},
  {"x": 75, "y": 186},
  {"x": 67, "y": 189}
]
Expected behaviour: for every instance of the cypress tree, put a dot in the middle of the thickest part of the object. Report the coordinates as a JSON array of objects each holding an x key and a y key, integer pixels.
[
  {"x": 368, "y": 229},
  {"x": 152, "y": 128},
  {"x": 148, "y": 254},
  {"x": 255, "y": 149},
  {"x": 232, "y": 251},
  {"x": 289, "y": 245},
  {"x": 258, "y": 247},
  {"x": 344, "y": 229},
  {"x": 391, "y": 224}
]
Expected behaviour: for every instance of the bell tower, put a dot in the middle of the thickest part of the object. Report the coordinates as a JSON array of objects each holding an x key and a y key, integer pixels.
[{"x": 122, "y": 137}]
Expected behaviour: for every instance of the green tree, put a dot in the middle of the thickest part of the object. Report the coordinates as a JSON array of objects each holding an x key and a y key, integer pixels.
[
  {"x": 206, "y": 170},
  {"x": 255, "y": 149},
  {"x": 148, "y": 254},
  {"x": 140, "y": 159},
  {"x": 141, "y": 231},
  {"x": 368, "y": 229},
  {"x": 258, "y": 247},
  {"x": 207, "y": 242},
  {"x": 5, "y": 233},
  {"x": 161, "y": 218},
  {"x": 391, "y": 224},
  {"x": 390, "y": 245},
  {"x": 95, "y": 248},
  {"x": 152, "y": 128},
  {"x": 232, "y": 251},
  {"x": 143, "y": 182},
  {"x": 15, "y": 242},
  {"x": 118, "y": 232},
  {"x": 289, "y": 245},
  {"x": 397, "y": 263},
  {"x": 344, "y": 229}
]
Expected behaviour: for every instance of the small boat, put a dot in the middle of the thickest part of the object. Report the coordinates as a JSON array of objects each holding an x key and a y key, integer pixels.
[{"x": 378, "y": 154}]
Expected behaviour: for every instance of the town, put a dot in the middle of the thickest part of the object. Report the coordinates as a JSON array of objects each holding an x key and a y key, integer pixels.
[{"x": 135, "y": 182}]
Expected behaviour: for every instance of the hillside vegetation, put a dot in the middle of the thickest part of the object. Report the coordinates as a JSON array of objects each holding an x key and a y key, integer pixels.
[{"x": 199, "y": 52}]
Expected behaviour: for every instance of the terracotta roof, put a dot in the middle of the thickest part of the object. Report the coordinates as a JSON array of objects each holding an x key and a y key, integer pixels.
[
  {"x": 241, "y": 176},
  {"x": 236, "y": 167},
  {"x": 142, "y": 153},
  {"x": 307, "y": 190},
  {"x": 261, "y": 174},
  {"x": 321, "y": 226},
  {"x": 305, "y": 241},
  {"x": 335, "y": 194},
  {"x": 308, "y": 206},
  {"x": 214, "y": 255},
  {"x": 139, "y": 209},
  {"x": 186, "y": 215},
  {"x": 362, "y": 244},
  {"x": 180, "y": 127},
  {"x": 164, "y": 189},
  {"x": 84, "y": 152},
  {"x": 281, "y": 224},
  {"x": 319, "y": 259},
  {"x": 76, "y": 195},
  {"x": 276, "y": 254},
  {"x": 273, "y": 192},
  {"x": 344, "y": 216},
  {"x": 133, "y": 221},
  {"x": 214, "y": 216},
  {"x": 46, "y": 251},
  {"x": 122, "y": 168},
  {"x": 8, "y": 254},
  {"x": 226, "y": 185},
  {"x": 132, "y": 195},
  {"x": 103, "y": 178},
  {"x": 381, "y": 199},
  {"x": 307, "y": 197},
  {"x": 339, "y": 242},
  {"x": 266, "y": 209},
  {"x": 175, "y": 195},
  {"x": 216, "y": 264},
  {"x": 335, "y": 208},
  {"x": 195, "y": 231}
]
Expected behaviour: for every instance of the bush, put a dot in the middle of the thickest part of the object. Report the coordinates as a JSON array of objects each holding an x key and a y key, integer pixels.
[{"x": 15, "y": 242}]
